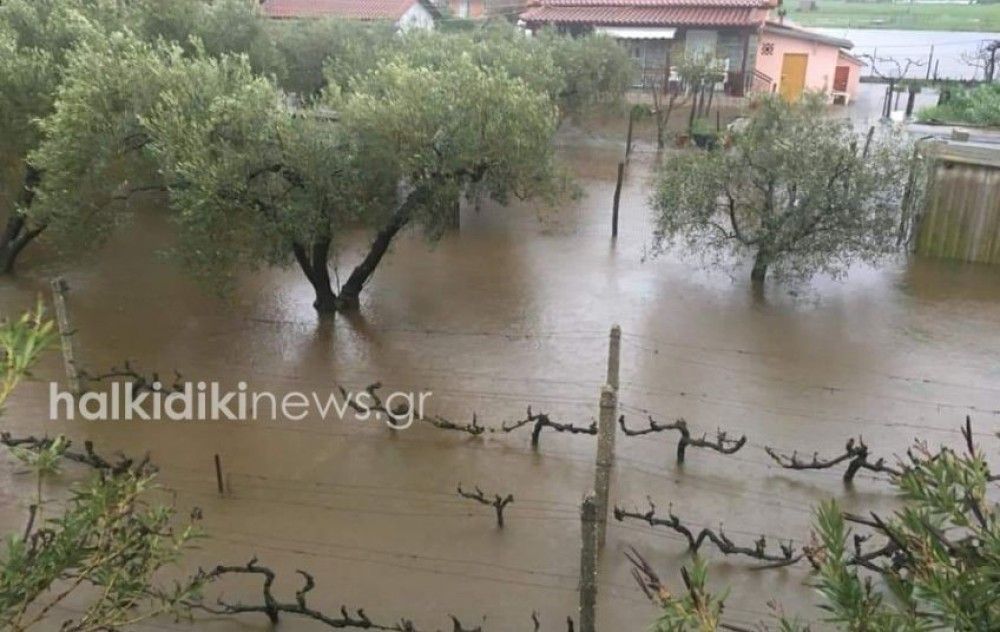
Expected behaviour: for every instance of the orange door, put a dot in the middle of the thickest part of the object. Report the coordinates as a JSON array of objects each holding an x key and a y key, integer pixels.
[{"x": 793, "y": 75}]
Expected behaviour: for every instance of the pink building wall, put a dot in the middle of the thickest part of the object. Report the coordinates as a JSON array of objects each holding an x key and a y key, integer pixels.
[
  {"x": 820, "y": 67},
  {"x": 854, "y": 80}
]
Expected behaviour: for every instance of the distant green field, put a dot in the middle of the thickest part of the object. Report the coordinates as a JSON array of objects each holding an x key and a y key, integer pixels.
[{"x": 927, "y": 17}]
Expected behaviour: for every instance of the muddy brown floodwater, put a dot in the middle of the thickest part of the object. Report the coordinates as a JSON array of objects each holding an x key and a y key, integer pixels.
[{"x": 515, "y": 310}]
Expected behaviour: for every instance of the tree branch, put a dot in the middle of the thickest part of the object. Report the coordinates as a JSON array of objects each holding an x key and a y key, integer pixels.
[{"x": 722, "y": 442}]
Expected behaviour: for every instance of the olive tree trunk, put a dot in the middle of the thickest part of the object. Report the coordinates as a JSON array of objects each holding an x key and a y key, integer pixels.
[
  {"x": 759, "y": 272},
  {"x": 313, "y": 262},
  {"x": 17, "y": 234},
  {"x": 350, "y": 294}
]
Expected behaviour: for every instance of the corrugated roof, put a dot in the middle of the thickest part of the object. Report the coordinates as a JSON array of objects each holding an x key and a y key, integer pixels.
[
  {"x": 646, "y": 13},
  {"x": 351, "y": 9}
]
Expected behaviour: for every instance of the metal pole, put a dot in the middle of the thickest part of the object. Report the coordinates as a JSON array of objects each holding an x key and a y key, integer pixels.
[
  {"x": 588, "y": 564},
  {"x": 930, "y": 60},
  {"x": 66, "y": 335}
]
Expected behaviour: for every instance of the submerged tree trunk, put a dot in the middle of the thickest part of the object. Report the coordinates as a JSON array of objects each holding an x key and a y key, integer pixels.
[
  {"x": 17, "y": 234},
  {"x": 759, "y": 271},
  {"x": 350, "y": 294},
  {"x": 313, "y": 262}
]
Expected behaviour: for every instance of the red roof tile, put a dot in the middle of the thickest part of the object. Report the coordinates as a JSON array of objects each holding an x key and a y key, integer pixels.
[
  {"x": 649, "y": 13},
  {"x": 657, "y": 3},
  {"x": 352, "y": 9}
]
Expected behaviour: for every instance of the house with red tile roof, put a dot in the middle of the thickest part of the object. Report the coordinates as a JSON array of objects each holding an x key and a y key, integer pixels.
[
  {"x": 659, "y": 31},
  {"x": 405, "y": 14},
  {"x": 792, "y": 59},
  {"x": 480, "y": 9}
]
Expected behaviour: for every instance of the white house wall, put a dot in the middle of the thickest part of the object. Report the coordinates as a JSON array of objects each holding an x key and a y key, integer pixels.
[{"x": 417, "y": 16}]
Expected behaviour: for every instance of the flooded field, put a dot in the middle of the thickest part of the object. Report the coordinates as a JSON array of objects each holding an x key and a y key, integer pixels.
[
  {"x": 512, "y": 311},
  {"x": 954, "y": 51}
]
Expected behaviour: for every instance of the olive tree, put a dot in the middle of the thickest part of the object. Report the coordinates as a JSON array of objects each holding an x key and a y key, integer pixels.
[
  {"x": 35, "y": 38},
  {"x": 577, "y": 73},
  {"x": 256, "y": 178},
  {"x": 254, "y": 182},
  {"x": 797, "y": 192},
  {"x": 40, "y": 38},
  {"x": 319, "y": 52}
]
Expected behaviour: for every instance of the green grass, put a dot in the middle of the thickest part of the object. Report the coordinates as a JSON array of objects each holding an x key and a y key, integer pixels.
[
  {"x": 979, "y": 106},
  {"x": 927, "y": 17}
]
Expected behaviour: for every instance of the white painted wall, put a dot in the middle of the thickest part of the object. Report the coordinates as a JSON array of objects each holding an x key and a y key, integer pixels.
[{"x": 416, "y": 16}]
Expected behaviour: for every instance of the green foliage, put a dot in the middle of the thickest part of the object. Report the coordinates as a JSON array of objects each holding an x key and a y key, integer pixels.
[
  {"x": 21, "y": 342},
  {"x": 697, "y": 70},
  {"x": 982, "y": 15},
  {"x": 94, "y": 142},
  {"x": 43, "y": 40},
  {"x": 694, "y": 610},
  {"x": 576, "y": 73},
  {"x": 949, "y": 566},
  {"x": 107, "y": 544},
  {"x": 107, "y": 537},
  {"x": 322, "y": 52},
  {"x": 246, "y": 177},
  {"x": 36, "y": 37},
  {"x": 596, "y": 70},
  {"x": 457, "y": 125},
  {"x": 942, "y": 573},
  {"x": 703, "y": 127},
  {"x": 270, "y": 137},
  {"x": 253, "y": 176},
  {"x": 976, "y": 106},
  {"x": 797, "y": 192}
]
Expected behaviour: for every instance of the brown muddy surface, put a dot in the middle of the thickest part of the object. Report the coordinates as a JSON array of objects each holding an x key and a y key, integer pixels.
[{"x": 515, "y": 310}]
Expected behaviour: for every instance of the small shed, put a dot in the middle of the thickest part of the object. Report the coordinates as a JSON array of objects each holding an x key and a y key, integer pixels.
[
  {"x": 961, "y": 211},
  {"x": 794, "y": 59}
]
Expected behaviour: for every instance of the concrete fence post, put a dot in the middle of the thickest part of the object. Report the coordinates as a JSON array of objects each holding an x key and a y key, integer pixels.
[
  {"x": 614, "y": 356},
  {"x": 605, "y": 458},
  {"x": 588, "y": 563}
]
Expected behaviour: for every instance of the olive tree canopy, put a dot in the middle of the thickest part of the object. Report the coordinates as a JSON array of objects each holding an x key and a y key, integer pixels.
[
  {"x": 798, "y": 192},
  {"x": 257, "y": 178}
]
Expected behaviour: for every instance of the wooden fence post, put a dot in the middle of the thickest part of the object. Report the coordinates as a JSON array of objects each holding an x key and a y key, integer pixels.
[
  {"x": 618, "y": 195},
  {"x": 66, "y": 335},
  {"x": 868, "y": 141},
  {"x": 218, "y": 475},
  {"x": 588, "y": 564},
  {"x": 628, "y": 136},
  {"x": 605, "y": 459}
]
